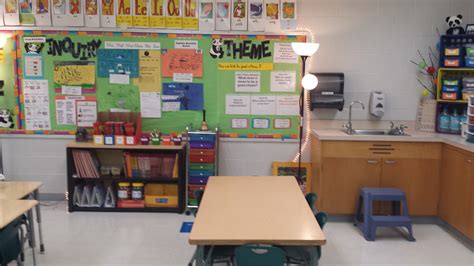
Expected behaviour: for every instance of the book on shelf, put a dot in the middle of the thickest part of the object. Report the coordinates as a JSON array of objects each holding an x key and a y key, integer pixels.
[
  {"x": 86, "y": 163},
  {"x": 139, "y": 165}
]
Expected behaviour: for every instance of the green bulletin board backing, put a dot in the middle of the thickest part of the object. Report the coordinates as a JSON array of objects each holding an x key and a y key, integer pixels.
[{"x": 217, "y": 83}]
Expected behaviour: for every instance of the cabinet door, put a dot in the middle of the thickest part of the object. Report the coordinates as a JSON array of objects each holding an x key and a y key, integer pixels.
[
  {"x": 456, "y": 189},
  {"x": 342, "y": 179},
  {"x": 418, "y": 178}
]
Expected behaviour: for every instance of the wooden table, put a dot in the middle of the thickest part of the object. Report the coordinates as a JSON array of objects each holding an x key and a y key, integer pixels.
[
  {"x": 238, "y": 210},
  {"x": 20, "y": 190}
]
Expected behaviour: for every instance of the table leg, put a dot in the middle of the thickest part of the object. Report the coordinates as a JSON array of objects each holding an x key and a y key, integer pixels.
[
  {"x": 38, "y": 220},
  {"x": 200, "y": 261},
  {"x": 31, "y": 234},
  {"x": 314, "y": 256}
]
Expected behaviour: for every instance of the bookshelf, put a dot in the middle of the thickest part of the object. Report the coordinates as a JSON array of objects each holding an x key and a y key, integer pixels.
[{"x": 160, "y": 169}]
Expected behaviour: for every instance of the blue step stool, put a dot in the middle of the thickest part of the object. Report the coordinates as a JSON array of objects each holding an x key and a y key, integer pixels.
[{"x": 368, "y": 222}]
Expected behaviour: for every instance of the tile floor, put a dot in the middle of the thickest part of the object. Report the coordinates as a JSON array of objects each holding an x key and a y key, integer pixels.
[{"x": 82, "y": 238}]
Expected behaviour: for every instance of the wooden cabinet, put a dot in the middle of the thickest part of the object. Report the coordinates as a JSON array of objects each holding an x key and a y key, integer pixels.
[
  {"x": 457, "y": 182},
  {"x": 418, "y": 178},
  {"x": 345, "y": 177}
]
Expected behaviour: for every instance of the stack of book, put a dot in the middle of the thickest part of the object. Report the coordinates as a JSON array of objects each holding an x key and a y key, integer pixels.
[
  {"x": 86, "y": 163},
  {"x": 141, "y": 165}
]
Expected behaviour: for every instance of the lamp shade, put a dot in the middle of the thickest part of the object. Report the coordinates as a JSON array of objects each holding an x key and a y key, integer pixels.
[
  {"x": 305, "y": 48},
  {"x": 309, "y": 82},
  {"x": 3, "y": 40}
]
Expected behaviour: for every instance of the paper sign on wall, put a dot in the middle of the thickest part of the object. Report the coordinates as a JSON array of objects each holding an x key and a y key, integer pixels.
[
  {"x": 174, "y": 17},
  {"x": 26, "y": 13},
  {"x": 245, "y": 66},
  {"x": 283, "y": 53},
  {"x": 206, "y": 15},
  {"x": 223, "y": 11},
  {"x": 150, "y": 104},
  {"x": 11, "y": 13},
  {"x": 33, "y": 66},
  {"x": 256, "y": 19},
  {"x": 71, "y": 90},
  {"x": 86, "y": 113},
  {"x": 287, "y": 105},
  {"x": 68, "y": 13},
  {"x": 157, "y": 17},
  {"x": 91, "y": 12},
  {"x": 239, "y": 123},
  {"x": 190, "y": 96},
  {"x": 263, "y": 104},
  {"x": 190, "y": 15},
  {"x": 237, "y": 104},
  {"x": 239, "y": 15},
  {"x": 119, "y": 79},
  {"x": 247, "y": 81},
  {"x": 141, "y": 11},
  {"x": 107, "y": 11},
  {"x": 150, "y": 70},
  {"x": 288, "y": 15},
  {"x": 272, "y": 16},
  {"x": 42, "y": 12},
  {"x": 282, "y": 123},
  {"x": 260, "y": 123},
  {"x": 282, "y": 81},
  {"x": 186, "y": 44},
  {"x": 36, "y": 104},
  {"x": 124, "y": 13},
  {"x": 66, "y": 112},
  {"x": 181, "y": 61},
  {"x": 183, "y": 77}
]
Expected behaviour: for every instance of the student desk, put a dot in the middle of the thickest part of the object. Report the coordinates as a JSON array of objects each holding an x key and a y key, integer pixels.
[
  {"x": 239, "y": 210},
  {"x": 12, "y": 209},
  {"x": 19, "y": 190}
]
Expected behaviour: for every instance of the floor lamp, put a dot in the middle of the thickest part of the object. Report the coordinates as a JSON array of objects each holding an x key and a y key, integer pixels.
[{"x": 304, "y": 50}]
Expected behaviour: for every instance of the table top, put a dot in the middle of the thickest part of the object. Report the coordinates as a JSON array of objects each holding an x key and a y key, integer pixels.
[
  {"x": 237, "y": 210},
  {"x": 17, "y": 189},
  {"x": 12, "y": 209}
]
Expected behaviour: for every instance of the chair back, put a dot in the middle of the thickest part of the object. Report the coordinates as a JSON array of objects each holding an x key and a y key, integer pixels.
[
  {"x": 311, "y": 199},
  {"x": 322, "y": 218},
  {"x": 254, "y": 255},
  {"x": 10, "y": 245}
]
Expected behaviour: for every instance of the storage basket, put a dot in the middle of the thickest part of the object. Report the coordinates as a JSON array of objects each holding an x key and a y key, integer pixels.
[{"x": 161, "y": 195}]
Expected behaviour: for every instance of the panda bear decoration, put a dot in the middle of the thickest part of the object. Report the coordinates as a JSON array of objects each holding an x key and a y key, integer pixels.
[
  {"x": 6, "y": 120},
  {"x": 454, "y": 23},
  {"x": 216, "y": 49},
  {"x": 33, "y": 48}
]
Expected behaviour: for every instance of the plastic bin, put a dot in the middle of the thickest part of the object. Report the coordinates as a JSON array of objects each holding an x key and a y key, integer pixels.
[
  {"x": 450, "y": 89},
  {"x": 449, "y": 96},
  {"x": 161, "y": 195},
  {"x": 469, "y": 61},
  {"x": 452, "y": 51},
  {"x": 451, "y": 82},
  {"x": 452, "y": 62}
]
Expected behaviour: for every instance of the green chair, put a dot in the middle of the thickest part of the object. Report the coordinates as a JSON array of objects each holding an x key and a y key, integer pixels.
[
  {"x": 254, "y": 255},
  {"x": 311, "y": 199},
  {"x": 10, "y": 244}
]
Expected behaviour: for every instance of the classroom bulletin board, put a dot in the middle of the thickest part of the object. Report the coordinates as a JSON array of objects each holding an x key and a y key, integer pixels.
[{"x": 248, "y": 84}]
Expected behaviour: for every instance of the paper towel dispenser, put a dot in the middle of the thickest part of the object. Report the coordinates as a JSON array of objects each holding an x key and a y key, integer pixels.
[{"x": 329, "y": 93}]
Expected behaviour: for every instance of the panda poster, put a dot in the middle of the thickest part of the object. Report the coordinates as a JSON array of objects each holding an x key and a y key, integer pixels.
[
  {"x": 124, "y": 13},
  {"x": 107, "y": 13},
  {"x": 11, "y": 13},
  {"x": 141, "y": 18},
  {"x": 174, "y": 16},
  {"x": 91, "y": 12},
  {"x": 256, "y": 19},
  {"x": 239, "y": 13},
  {"x": 42, "y": 12},
  {"x": 272, "y": 15},
  {"x": 207, "y": 15},
  {"x": 190, "y": 15},
  {"x": 157, "y": 17},
  {"x": 223, "y": 14},
  {"x": 288, "y": 15}
]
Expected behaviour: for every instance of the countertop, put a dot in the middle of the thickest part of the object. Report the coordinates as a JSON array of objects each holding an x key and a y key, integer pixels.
[{"x": 415, "y": 136}]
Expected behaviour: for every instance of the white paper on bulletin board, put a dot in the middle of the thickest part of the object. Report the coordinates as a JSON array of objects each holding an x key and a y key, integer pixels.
[
  {"x": 11, "y": 14},
  {"x": 237, "y": 104},
  {"x": 282, "y": 123},
  {"x": 283, "y": 53},
  {"x": 36, "y": 104},
  {"x": 207, "y": 12},
  {"x": 263, "y": 104},
  {"x": 42, "y": 12},
  {"x": 239, "y": 15},
  {"x": 239, "y": 123},
  {"x": 66, "y": 112},
  {"x": 282, "y": 81},
  {"x": 86, "y": 112},
  {"x": 288, "y": 14},
  {"x": 247, "y": 81},
  {"x": 287, "y": 105},
  {"x": 256, "y": 19},
  {"x": 150, "y": 104},
  {"x": 223, "y": 11},
  {"x": 261, "y": 123},
  {"x": 272, "y": 15}
]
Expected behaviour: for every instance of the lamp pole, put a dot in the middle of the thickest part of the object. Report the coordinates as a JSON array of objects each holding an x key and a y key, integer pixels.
[{"x": 303, "y": 72}]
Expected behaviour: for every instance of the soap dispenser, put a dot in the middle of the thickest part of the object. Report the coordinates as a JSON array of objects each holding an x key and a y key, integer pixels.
[{"x": 377, "y": 104}]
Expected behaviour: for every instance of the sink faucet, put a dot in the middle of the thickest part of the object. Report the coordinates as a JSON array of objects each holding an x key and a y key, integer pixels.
[{"x": 348, "y": 125}]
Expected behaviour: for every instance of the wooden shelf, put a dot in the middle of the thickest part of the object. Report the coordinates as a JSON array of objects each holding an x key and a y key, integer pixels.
[
  {"x": 456, "y": 69},
  {"x": 90, "y": 145},
  {"x": 146, "y": 209},
  {"x": 132, "y": 179}
]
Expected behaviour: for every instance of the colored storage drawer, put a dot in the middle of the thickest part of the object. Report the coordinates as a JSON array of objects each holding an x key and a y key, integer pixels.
[
  {"x": 470, "y": 50},
  {"x": 202, "y": 137},
  {"x": 450, "y": 89},
  {"x": 202, "y": 152},
  {"x": 201, "y": 167},
  {"x": 161, "y": 195},
  {"x": 469, "y": 61},
  {"x": 452, "y": 62},
  {"x": 202, "y": 145},
  {"x": 201, "y": 159},
  {"x": 198, "y": 180},
  {"x": 200, "y": 173},
  {"x": 452, "y": 51},
  {"x": 451, "y": 82},
  {"x": 449, "y": 96},
  {"x": 192, "y": 188}
]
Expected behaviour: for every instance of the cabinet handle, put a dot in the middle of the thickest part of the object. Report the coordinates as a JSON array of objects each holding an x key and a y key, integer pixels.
[
  {"x": 469, "y": 160},
  {"x": 372, "y": 162},
  {"x": 390, "y": 162}
]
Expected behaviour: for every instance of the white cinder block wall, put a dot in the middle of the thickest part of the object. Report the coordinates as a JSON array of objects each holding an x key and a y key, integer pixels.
[{"x": 371, "y": 41}]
